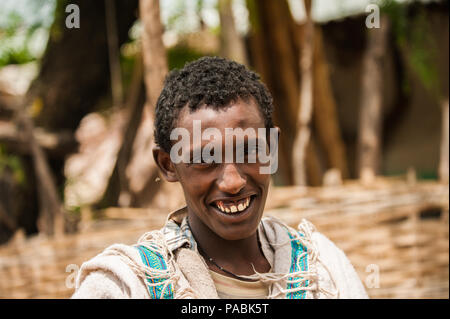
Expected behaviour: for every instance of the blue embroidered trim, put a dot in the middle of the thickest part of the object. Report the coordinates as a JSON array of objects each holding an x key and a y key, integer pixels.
[
  {"x": 297, "y": 250},
  {"x": 154, "y": 260}
]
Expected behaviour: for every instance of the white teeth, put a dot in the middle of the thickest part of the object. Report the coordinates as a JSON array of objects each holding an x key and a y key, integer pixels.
[{"x": 233, "y": 209}]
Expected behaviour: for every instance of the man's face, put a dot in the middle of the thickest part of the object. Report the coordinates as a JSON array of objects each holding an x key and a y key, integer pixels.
[{"x": 228, "y": 197}]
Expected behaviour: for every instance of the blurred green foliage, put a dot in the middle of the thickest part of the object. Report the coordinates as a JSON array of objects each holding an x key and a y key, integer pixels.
[
  {"x": 18, "y": 53},
  {"x": 12, "y": 163},
  {"x": 420, "y": 175},
  {"x": 179, "y": 55},
  {"x": 16, "y": 56},
  {"x": 23, "y": 28},
  {"x": 59, "y": 17},
  {"x": 183, "y": 16},
  {"x": 412, "y": 34}
]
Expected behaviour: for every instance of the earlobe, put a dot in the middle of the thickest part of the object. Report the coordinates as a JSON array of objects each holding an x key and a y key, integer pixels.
[
  {"x": 279, "y": 131},
  {"x": 165, "y": 164}
]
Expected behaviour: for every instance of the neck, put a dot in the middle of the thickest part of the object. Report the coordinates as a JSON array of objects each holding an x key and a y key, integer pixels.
[{"x": 236, "y": 256}]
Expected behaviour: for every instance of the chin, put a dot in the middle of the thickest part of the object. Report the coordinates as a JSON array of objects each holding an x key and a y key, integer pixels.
[
  {"x": 238, "y": 232},
  {"x": 236, "y": 236}
]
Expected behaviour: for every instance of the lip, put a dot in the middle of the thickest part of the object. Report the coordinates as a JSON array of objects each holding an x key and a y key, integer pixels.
[
  {"x": 232, "y": 198},
  {"x": 238, "y": 216}
]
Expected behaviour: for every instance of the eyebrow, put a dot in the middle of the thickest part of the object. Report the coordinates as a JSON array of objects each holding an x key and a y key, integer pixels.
[
  {"x": 255, "y": 141},
  {"x": 196, "y": 150}
]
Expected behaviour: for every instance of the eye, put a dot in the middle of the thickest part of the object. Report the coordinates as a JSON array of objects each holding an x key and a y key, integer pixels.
[
  {"x": 251, "y": 154},
  {"x": 252, "y": 150},
  {"x": 202, "y": 163}
]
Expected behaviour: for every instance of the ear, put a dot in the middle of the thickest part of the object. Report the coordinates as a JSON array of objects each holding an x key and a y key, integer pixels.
[
  {"x": 278, "y": 135},
  {"x": 279, "y": 131},
  {"x": 165, "y": 164}
]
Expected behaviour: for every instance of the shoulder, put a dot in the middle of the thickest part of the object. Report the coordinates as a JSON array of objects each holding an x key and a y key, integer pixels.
[
  {"x": 334, "y": 268},
  {"x": 327, "y": 248},
  {"x": 114, "y": 273},
  {"x": 338, "y": 268}
]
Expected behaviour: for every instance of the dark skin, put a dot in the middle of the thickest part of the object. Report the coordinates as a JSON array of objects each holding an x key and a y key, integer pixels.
[{"x": 230, "y": 239}]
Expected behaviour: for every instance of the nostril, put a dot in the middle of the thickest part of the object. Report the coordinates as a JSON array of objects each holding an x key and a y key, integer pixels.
[
  {"x": 231, "y": 181},
  {"x": 232, "y": 186}
]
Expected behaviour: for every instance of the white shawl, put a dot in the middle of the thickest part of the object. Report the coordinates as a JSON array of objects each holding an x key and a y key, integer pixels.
[{"x": 118, "y": 272}]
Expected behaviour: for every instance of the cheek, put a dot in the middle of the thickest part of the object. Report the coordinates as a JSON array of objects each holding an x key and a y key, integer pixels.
[
  {"x": 195, "y": 184},
  {"x": 253, "y": 170}
]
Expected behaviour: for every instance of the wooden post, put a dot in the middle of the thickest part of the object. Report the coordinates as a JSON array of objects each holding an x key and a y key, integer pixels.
[
  {"x": 232, "y": 45},
  {"x": 443, "y": 164},
  {"x": 306, "y": 100},
  {"x": 326, "y": 121},
  {"x": 51, "y": 219},
  {"x": 142, "y": 172},
  {"x": 113, "y": 53},
  {"x": 153, "y": 50},
  {"x": 117, "y": 189},
  {"x": 371, "y": 109}
]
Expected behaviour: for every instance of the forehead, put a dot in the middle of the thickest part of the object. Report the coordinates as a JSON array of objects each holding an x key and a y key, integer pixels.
[{"x": 237, "y": 114}]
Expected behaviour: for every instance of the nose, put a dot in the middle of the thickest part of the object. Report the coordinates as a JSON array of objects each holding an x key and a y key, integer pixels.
[{"x": 232, "y": 181}]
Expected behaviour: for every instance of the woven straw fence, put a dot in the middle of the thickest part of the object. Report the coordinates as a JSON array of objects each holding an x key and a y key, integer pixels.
[{"x": 394, "y": 233}]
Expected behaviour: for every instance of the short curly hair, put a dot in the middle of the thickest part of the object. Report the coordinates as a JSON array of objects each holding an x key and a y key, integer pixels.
[{"x": 211, "y": 81}]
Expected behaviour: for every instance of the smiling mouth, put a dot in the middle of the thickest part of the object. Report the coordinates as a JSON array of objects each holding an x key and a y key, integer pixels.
[{"x": 233, "y": 207}]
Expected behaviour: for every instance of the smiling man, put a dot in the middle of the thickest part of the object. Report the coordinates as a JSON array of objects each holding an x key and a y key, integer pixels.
[{"x": 217, "y": 113}]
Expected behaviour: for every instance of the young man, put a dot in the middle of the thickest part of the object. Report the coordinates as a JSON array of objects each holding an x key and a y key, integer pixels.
[{"x": 217, "y": 114}]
